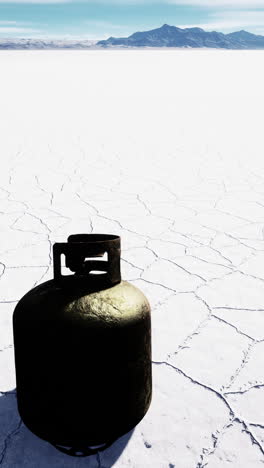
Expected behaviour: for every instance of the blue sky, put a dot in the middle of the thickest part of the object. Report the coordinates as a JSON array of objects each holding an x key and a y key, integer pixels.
[{"x": 100, "y": 19}]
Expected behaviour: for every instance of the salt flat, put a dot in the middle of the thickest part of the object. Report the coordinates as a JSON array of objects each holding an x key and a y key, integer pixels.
[{"x": 165, "y": 149}]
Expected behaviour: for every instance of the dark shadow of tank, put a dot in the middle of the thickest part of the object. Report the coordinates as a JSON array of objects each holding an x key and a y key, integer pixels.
[{"x": 20, "y": 448}]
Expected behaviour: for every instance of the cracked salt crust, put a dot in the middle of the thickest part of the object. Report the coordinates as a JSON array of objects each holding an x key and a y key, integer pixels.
[
  {"x": 254, "y": 265},
  {"x": 252, "y": 373},
  {"x": 235, "y": 449},
  {"x": 247, "y": 404},
  {"x": 187, "y": 413},
  {"x": 235, "y": 290},
  {"x": 31, "y": 255},
  {"x": 171, "y": 275},
  {"x": 141, "y": 257},
  {"x": 166, "y": 250},
  {"x": 7, "y": 364},
  {"x": 156, "y": 294},
  {"x": 250, "y": 323},
  {"x": 175, "y": 322},
  {"x": 212, "y": 346},
  {"x": 17, "y": 281},
  {"x": 175, "y": 168},
  {"x": 6, "y": 334},
  {"x": 201, "y": 267}
]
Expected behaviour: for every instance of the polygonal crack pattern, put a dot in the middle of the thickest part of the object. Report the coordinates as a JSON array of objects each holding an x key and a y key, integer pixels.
[{"x": 158, "y": 161}]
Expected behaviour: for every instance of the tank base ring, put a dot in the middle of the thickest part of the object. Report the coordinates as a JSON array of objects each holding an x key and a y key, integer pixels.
[{"x": 82, "y": 451}]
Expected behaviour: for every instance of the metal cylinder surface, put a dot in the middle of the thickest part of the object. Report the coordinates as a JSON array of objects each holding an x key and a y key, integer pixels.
[{"x": 83, "y": 359}]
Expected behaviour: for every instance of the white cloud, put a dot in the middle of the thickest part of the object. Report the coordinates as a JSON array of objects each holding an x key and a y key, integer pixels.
[
  {"x": 249, "y": 16},
  {"x": 35, "y": 1},
  {"x": 105, "y": 24},
  {"x": 68, "y": 37},
  {"x": 7, "y": 29},
  {"x": 222, "y": 26},
  {"x": 221, "y": 3},
  {"x": 203, "y": 3},
  {"x": 232, "y": 20}
]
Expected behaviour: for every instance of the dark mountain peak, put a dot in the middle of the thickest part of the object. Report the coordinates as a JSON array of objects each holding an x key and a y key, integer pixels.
[
  {"x": 166, "y": 26},
  {"x": 242, "y": 33},
  {"x": 195, "y": 29}
]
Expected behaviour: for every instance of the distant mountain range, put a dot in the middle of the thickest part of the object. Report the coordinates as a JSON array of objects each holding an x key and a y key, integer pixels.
[
  {"x": 171, "y": 36},
  {"x": 165, "y": 36},
  {"x": 45, "y": 44}
]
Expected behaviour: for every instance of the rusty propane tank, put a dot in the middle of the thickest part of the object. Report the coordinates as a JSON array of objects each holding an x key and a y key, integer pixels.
[{"x": 83, "y": 349}]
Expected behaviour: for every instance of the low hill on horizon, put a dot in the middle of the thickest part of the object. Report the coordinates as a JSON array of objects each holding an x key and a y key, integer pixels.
[{"x": 39, "y": 44}]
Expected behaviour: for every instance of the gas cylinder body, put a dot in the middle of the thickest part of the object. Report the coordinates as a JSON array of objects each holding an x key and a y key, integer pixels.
[{"x": 83, "y": 349}]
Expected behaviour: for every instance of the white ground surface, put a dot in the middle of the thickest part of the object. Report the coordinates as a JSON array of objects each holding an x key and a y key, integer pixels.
[{"x": 164, "y": 148}]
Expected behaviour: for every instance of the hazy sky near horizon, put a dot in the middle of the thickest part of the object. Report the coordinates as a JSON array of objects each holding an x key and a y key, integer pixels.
[{"x": 100, "y": 19}]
